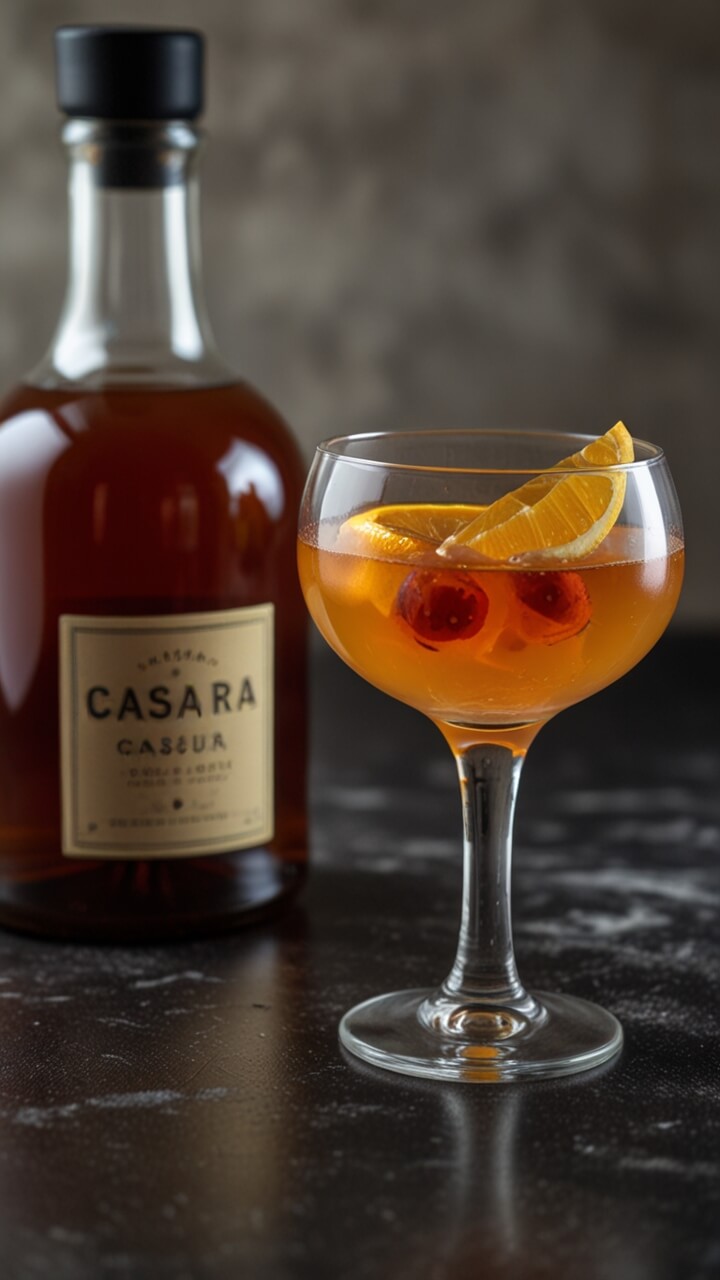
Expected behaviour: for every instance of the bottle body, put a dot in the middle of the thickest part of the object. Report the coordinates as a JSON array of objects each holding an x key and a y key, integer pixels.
[{"x": 130, "y": 502}]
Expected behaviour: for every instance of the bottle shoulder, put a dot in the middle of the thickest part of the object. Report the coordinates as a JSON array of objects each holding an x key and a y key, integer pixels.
[
  {"x": 162, "y": 426},
  {"x": 219, "y": 449}
]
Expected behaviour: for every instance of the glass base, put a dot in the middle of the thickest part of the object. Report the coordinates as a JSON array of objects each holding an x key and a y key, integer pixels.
[{"x": 493, "y": 1044}]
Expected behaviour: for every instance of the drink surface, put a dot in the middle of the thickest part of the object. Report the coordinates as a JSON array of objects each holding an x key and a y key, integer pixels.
[
  {"x": 492, "y": 645},
  {"x": 133, "y": 503}
]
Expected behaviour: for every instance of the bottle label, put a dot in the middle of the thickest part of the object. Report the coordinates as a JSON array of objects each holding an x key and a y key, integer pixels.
[{"x": 166, "y": 727}]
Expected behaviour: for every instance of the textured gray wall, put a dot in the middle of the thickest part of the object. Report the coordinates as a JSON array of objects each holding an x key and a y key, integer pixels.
[{"x": 433, "y": 212}]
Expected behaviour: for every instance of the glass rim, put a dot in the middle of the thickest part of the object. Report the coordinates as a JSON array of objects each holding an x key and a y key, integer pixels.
[{"x": 329, "y": 448}]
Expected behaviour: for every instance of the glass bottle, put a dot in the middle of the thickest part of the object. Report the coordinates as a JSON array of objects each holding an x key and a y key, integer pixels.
[{"x": 152, "y": 632}]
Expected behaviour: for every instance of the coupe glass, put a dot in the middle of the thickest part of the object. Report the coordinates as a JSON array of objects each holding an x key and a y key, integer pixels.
[{"x": 489, "y": 650}]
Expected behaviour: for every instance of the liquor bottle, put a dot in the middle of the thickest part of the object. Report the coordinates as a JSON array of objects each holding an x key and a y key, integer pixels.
[{"x": 152, "y": 631}]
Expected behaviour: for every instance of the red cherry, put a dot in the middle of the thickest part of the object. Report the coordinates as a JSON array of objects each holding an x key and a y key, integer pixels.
[
  {"x": 442, "y": 605},
  {"x": 554, "y": 606}
]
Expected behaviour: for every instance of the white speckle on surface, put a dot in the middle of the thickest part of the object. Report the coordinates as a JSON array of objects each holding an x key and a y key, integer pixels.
[
  {"x": 63, "y": 1235},
  {"x": 424, "y": 847},
  {"x": 120, "y": 1022},
  {"x": 668, "y": 1164},
  {"x": 625, "y": 800},
  {"x": 666, "y": 831},
  {"x": 386, "y": 865},
  {"x": 684, "y": 886},
  {"x": 548, "y": 831},
  {"x": 603, "y": 924},
  {"x": 598, "y": 924},
  {"x": 39, "y": 1117},
  {"x": 144, "y": 1098},
  {"x": 685, "y": 951},
  {"x": 357, "y": 798},
  {"x": 191, "y": 975},
  {"x": 642, "y": 1162}
]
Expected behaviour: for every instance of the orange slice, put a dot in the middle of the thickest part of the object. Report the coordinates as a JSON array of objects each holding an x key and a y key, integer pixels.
[
  {"x": 403, "y": 532},
  {"x": 552, "y": 518},
  {"x": 406, "y": 535}
]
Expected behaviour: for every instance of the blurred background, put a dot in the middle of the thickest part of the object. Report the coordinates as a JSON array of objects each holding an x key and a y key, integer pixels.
[{"x": 467, "y": 213}]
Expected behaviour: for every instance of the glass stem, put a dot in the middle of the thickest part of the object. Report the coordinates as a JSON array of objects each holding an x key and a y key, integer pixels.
[
  {"x": 485, "y": 961},
  {"x": 484, "y": 973}
]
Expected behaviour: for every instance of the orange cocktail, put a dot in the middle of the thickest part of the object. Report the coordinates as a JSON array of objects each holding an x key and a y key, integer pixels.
[
  {"x": 488, "y": 579},
  {"x": 489, "y": 646}
]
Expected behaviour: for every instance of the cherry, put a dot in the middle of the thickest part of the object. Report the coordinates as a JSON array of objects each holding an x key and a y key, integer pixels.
[
  {"x": 554, "y": 606},
  {"x": 440, "y": 605}
]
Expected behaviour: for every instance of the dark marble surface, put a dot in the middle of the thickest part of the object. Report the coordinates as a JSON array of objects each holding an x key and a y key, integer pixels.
[{"x": 185, "y": 1113}]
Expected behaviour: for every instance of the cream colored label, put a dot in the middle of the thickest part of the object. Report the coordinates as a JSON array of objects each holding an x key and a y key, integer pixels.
[{"x": 166, "y": 727}]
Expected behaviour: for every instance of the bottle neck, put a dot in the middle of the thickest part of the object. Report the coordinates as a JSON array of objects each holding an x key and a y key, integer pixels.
[{"x": 134, "y": 311}]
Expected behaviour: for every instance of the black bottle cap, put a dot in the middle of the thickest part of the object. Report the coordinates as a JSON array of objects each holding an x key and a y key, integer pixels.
[{"x": 129, "y": 73}]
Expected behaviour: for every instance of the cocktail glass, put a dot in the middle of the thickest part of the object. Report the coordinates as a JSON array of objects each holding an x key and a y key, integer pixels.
[{"x": 490, "y": 648}]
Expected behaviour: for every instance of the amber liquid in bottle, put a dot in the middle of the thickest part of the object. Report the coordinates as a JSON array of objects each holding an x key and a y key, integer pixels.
[
  {"x": 141, "y": 479},
  {"x": 132, "y": 502}
]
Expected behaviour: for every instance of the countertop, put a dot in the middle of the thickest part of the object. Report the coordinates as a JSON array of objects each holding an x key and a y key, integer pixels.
[{"x": 185, "y": 1112}]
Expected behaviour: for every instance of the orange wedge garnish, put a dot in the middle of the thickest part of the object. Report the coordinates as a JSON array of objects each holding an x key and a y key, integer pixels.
[{"x": 552, "y": 517}]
